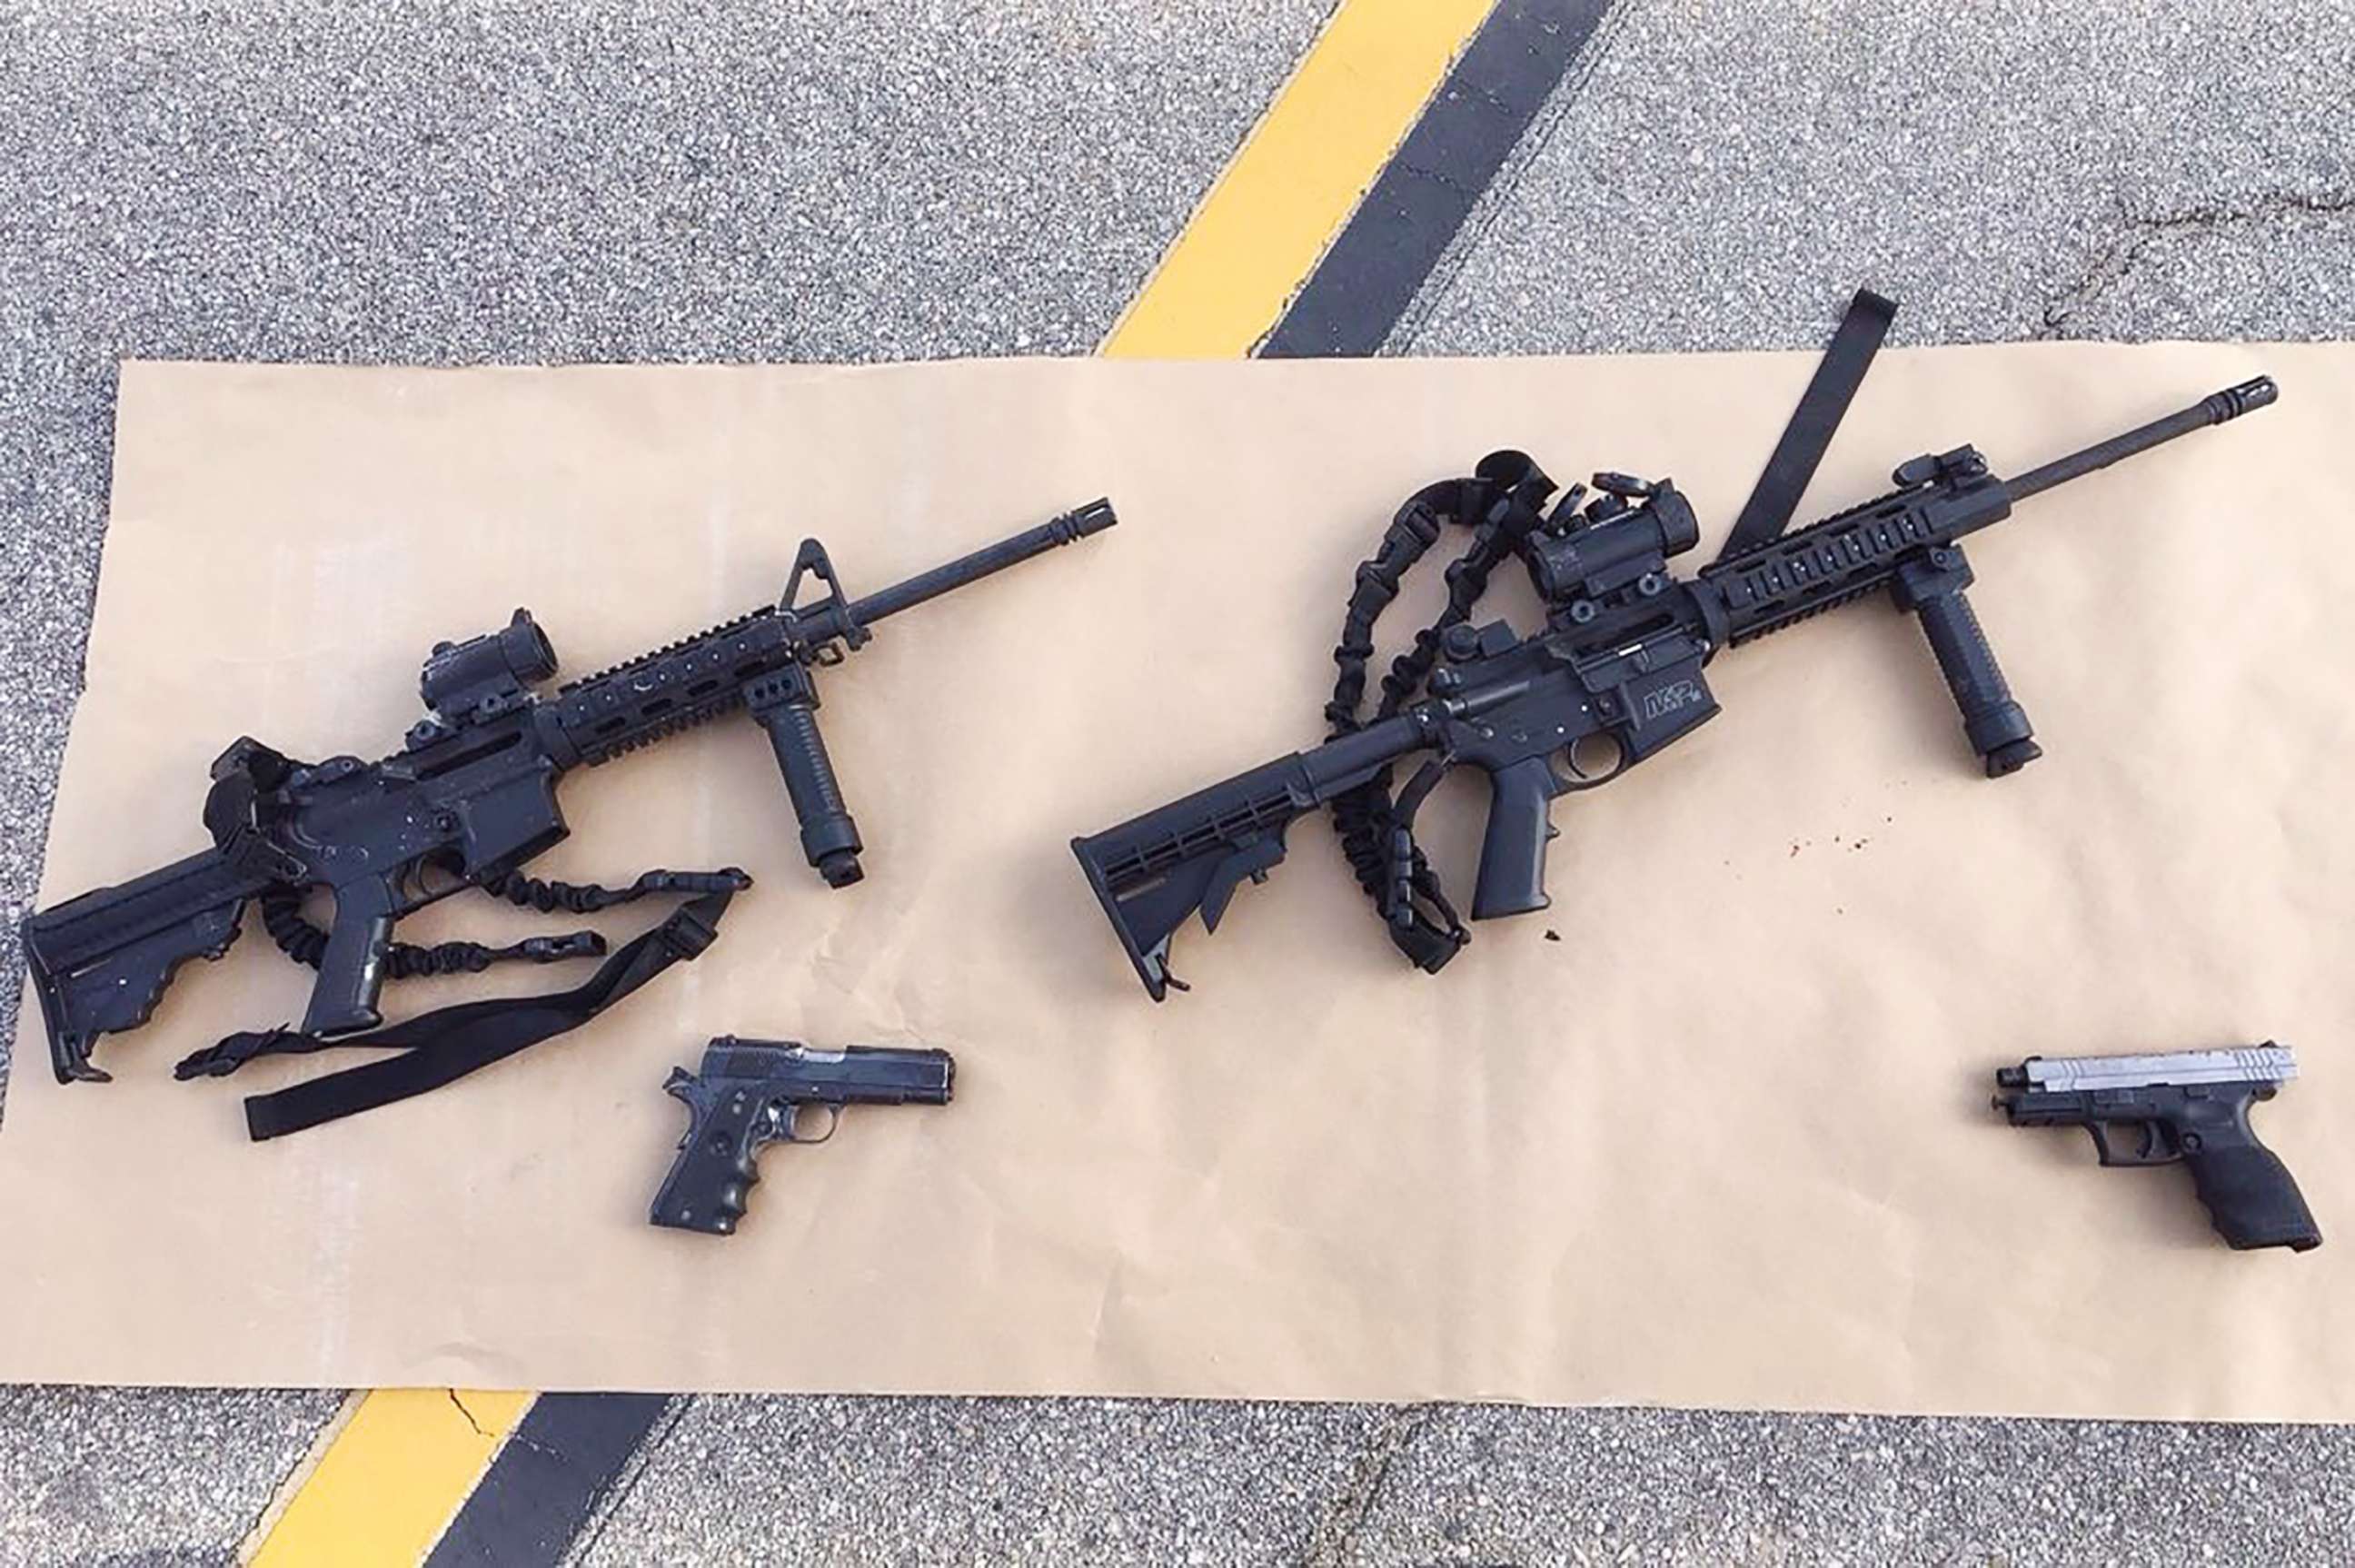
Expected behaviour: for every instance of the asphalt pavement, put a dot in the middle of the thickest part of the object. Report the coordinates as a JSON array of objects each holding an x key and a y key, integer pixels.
[
  {"x": 511, "y": 183},
  {"x": 1723, "y": 174}
]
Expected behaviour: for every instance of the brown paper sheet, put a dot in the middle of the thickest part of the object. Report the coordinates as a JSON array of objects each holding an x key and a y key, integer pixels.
[{"x": 1725, "y": 1142}]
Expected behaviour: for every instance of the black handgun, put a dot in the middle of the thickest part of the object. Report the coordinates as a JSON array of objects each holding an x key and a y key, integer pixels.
[
  {"x": 750, "y": 1094},
  {"x": 2190, "y": 1106}
]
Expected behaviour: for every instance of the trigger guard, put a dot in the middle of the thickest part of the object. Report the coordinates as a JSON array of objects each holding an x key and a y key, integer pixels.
[
  {"x": 789, "y": 1125},
  {"x": 1572, "y": 780},
  {"x": 2152, "y": 1145}
]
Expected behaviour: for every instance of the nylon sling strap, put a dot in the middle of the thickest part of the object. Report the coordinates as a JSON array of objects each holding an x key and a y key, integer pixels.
[
  {"x": 1821, "y": 407},
  {"x": 441, "y": 1046},
  {"x": 1500, "y": 504}
]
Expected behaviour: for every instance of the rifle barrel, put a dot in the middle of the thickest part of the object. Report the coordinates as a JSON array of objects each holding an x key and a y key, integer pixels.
[
  {"x": 2215, "y": 409},
  {"x": 1092, "y": 518}
]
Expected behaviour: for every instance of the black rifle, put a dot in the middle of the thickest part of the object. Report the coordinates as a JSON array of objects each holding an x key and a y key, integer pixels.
[
  {"x": 469, "y": 798},
  {"x": 750, "y": 1093},
  {"x": 1617, "y": 671},
  {"x": 2188, "y": 1106}
]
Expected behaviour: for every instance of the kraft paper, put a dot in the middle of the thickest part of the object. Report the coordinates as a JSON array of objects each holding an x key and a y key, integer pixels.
[{"x": 1713, "y": 1130}]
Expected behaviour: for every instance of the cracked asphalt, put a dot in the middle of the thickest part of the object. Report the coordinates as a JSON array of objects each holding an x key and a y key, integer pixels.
[
  {"x": 683, "y": 180},
  {"x": 1726, "y": 172}
]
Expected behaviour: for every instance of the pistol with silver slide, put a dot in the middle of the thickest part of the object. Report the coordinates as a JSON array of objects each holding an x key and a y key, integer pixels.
[{"x": 2188, "y": 1106}]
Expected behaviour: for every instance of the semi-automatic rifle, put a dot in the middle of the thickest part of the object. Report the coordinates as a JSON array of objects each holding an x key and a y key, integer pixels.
[
  {"x": 468, "y": 800},
  {"x": 1613, "y": 677}
]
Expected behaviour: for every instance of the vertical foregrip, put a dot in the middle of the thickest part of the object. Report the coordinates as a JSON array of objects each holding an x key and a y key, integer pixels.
[
  {"x": 1931, "y": 586},
  {"x": 1997, "y": 727},
  {"x": 829, "y": 837}
]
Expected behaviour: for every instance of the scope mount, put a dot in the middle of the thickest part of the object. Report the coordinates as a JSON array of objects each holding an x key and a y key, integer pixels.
[{"x": 480, "y": 679}]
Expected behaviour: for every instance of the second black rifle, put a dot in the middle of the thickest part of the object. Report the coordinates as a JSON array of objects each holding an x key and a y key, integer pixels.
[{"x": 1613, "y": 677}]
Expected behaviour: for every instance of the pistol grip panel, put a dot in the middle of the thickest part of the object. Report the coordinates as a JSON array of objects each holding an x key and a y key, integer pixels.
[
  {"x": 2252, "y": 1197},
  {"x": 829, "y": 837},
  {"x": 714, "y": 1174},
  {"x": 1513, "y": 854},
  {"x": 351, "y": 971}
]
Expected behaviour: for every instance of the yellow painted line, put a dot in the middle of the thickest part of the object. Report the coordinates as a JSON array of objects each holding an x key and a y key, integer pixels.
[
  {"x": 1297, "y": 178},
  {"x": 388, "y": 1482},
  {"x": 385, "y": 1485}
]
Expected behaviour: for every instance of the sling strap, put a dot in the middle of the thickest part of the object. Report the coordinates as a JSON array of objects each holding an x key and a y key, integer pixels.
[
  {"x": 1499, "y": 502},
  {"x": 1821, "y": 407},
  {"x": 1502, "y": 503},
  {"x": 443, "y": 1046}
]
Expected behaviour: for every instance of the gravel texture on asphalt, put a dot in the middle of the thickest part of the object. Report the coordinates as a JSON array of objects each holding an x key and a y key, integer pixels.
[
  {"x": 143, "y": 1476},
  {"x": 954, "y": 1481},
  {"x": 451, "y": 184},
  {"x": 1721, "y": 174}
]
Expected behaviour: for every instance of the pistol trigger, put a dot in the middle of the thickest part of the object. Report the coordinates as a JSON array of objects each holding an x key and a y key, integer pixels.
[{"x": 2153, "y": 1146}]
